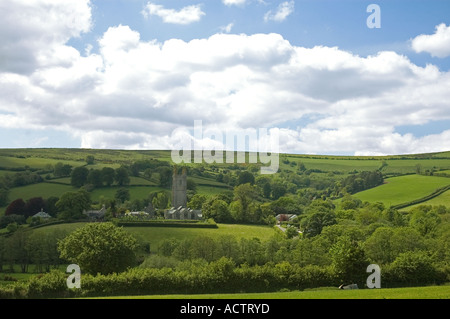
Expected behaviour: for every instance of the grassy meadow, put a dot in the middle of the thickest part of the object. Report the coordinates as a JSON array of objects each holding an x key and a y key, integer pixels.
[
  {"x": 429, "y": 292},
  {"x": 401, "y": 189},
  {"x": 443, "y": 199},
  {"x": 155, "y": 235}
]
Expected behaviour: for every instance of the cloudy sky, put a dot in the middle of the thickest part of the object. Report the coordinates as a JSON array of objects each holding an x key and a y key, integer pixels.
[{"x": 129, "y": 73}]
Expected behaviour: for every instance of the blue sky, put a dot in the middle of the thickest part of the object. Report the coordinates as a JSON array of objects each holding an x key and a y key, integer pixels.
[{"x": 129, "y": 73}]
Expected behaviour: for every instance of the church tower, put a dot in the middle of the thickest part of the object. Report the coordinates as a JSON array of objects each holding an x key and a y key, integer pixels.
[{"x": 179, "y": 188}]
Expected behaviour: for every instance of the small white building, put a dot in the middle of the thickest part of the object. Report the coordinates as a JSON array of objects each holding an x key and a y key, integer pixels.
[{"x": 42, "y": 214}]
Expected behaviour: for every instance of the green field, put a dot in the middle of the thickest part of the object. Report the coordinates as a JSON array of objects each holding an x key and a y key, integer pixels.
[
  {"x": 431, "y": 292},
  {"x": 44, "y": 190},
  {"x": 34, "y": 162},
  {"x": 443, "y": 199},
  {"x": 345, "y": 164},
  {"x": 401, "y": 189},
  {"x": 155, "y": 235}
]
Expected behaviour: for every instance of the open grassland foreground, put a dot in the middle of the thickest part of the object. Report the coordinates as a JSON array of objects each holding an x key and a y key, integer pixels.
[{"x": 429, "y": 292}]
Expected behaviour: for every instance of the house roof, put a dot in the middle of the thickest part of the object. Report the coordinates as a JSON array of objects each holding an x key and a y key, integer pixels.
[{"x": 42, "y": 214}]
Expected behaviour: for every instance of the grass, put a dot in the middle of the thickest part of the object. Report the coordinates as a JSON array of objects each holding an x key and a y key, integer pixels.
[
  {"x": 136, "y": 192},
  {"x": 443, "y": 199},
  {"x": 44, "y": 190},
  {"x": 155, "y": 235},
  {"x": 33, "y": 162},
  {"x": 397, "y": 190},
  {"x": 430, "y": 292},
  {"x": 16, "y": 275},
  {"x": 345, "y": 164}
]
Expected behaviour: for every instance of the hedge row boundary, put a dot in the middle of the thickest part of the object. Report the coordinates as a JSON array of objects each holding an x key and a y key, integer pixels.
[{"x": 436, "y": 193}]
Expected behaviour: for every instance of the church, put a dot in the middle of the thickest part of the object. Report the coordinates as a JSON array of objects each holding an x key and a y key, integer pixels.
[{"x": 180, "y": 210}]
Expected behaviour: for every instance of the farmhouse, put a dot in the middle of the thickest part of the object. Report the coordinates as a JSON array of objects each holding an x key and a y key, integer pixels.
[
  {"x": 95, "y": 214},
  {"x": 42, "y": 214},
  {"x": 285, "y": 217}
]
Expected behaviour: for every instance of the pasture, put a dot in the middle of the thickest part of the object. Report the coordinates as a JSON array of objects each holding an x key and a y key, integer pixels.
[
  {"x": 401, "y": 189},
  {"x": 429, "y": 292},
  {"x": 155, "y": 235}
]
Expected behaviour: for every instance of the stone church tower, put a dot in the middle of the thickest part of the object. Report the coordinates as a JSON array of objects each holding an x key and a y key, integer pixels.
[{"x": 179, "y": 188}]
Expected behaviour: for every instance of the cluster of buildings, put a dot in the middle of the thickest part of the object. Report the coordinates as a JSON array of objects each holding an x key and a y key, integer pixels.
[{"x": 179, "y": 211}]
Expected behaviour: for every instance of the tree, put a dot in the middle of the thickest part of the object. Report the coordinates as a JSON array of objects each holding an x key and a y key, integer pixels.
[
  {"x": 425, "y": 220},
  {"x": 79, "y": 176},
  {"x": 90, "y": 159},
  {"x": 108, "y": 175},
  {"x": 378, "y": 246},
  {"x": 246, "y": 177},
  {"x": 72, "y": 204},
  {"x": 161, "y": 200},
  {"x": 291, "y": 232},
  {"x": 348, "y": 260},
  {"x": 218, "y": 210},
  {"x": 278, "y": 189},
  {"x": 34, "y": 206},
  {"x": 314, "y": 223},
  {"x": 245, "y": 194},
  {"x": 50, "y": 205},
  {"x": 4, "y": 193},
  {"x": 267, "y": 190},
  {"x": 191, "y": 185},
  {"x": 99, "y": 248},
  {"x": 17, "y": 207},
  {"x": 122, "y": 177},
  {"x": 165, "y": 176},
  {"x": 415, "y": 268},
  {"x": 95, "y": 178},
  {"x": 197, "y": 201},
  {"x": 61, "y": 169},
  {"x": 122, "y": 194}
]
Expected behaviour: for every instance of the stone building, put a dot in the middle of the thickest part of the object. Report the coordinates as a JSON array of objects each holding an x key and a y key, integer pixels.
[
  {"x": 183, "y": 213},
  {"x": 180, "y": 210},
  {"x": 179, "y": 188}
]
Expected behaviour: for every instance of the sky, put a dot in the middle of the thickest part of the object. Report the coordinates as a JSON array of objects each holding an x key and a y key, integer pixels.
[{"x": 328, "y": 76}]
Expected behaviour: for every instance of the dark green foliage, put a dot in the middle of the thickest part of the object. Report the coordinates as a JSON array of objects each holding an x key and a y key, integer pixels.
[
  {"x": 95, "y": 178},
  {"x": 79, "y": 176},
  {"x": 99, "y": 248},
  {"x": 121, "y": 176},
  {"x": 108, "y": 174},
  {"x": 62, "y": 170},
  {"x": 364, "y": 180},
  {"x": 246, "y": 177},
  {"x": 4, "y": 196},
  {"x": 90, "y": 159},
  {"x": 72, "y": 204},
  {"x": 122, "y": 195}
]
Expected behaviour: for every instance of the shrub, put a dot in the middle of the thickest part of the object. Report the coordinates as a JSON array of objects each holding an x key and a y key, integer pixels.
[{"x": 412, "y": 269}]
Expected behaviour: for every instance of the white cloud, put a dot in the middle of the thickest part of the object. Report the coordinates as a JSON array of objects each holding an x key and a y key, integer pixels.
[
  {"x": 234, "y": 2},
  {"x": 283, "y": 11},
  {"x": 186, "y": 15},
  {"x": 227, "y": 28},
  {"x": 31, "y": 31},
  {"x": 135, "y": 93},
  {"x": 437, "y": 44}
]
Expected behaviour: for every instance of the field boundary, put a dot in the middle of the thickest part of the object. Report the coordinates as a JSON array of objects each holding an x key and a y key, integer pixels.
[
  {"x": 436, "y": 193},
  {"x": 181, "y": 223}
]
